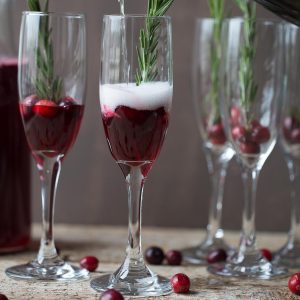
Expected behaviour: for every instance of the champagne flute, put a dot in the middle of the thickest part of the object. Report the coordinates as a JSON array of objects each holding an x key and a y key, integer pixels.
[
  {"x": 135, "y": 115},
  {"x": 250, "y": 70},
  {"x": 52, "y": 82}
]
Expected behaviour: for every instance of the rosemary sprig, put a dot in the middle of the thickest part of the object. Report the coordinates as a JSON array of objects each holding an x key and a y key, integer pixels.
[
  {"x": 47, "y": 85},
  {"x": 248, "y": 87},
  {"x": 216, "y": 8},
  {"x": 148, "y": 40}
]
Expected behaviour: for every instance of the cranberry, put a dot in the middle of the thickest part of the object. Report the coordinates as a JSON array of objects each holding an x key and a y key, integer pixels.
[
  {"x": 295, "y": 136},
  {"x": 3, "y": 297},
  {"x": 289, "y": 123},
  {"x": 180, "y": 283},
  {"x": 45, "y": 108},
  {"x": 111, "y": 295},
  {"x": 267, "y": 254},
  {"x": 235, "y": 115},
  {"x": 216, "y": 256},
  {"x": 238, "y": 132},
  {"x": 90, "y": 263},
  {"x": 154, "y": 255},
  {"x": 28, "y": 102},
  {"x": 260, "y": 134},
  {"x": 255, "y": 124},
  {"x": 67, "y": 101},
  {"x": 294, "y": 284},
  {"x": 249, "y": 147},
  {"x": 174, "y": 257},
  {"x": 216, "y": 134}
]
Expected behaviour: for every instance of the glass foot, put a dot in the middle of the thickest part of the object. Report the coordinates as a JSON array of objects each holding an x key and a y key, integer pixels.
[
  {"x": 249, "y": 268},
  {"x": 197, "y": 255},
  {"x": 288, "y": 256},
  {"x": 35, "y": 272},
  {"x": 143, "y": 284}
]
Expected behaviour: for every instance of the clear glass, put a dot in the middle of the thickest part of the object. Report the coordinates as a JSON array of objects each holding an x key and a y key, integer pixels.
[
  {"x": 289, "y": 137},
  {"x": 251, "y": 88},
  {"x": 52, "y": 53},
  {"x": 218, "y": 152},
  {"x": 135, "y": 119},
  {"x": 15, "y": 174}
]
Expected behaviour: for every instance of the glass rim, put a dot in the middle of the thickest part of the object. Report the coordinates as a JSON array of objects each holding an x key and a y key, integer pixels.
[
  {"x": 136, "y": 16},
  {"x": 260, "y": 20},
  {"x": 54, "y": 14}
]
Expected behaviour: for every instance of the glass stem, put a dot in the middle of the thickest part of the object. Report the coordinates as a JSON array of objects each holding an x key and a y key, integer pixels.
[
  {"x": 135, "y": 185},
  {"x": 294, "y": 234},
  {"x": 248, "y": 238},
  {"x": 49, "y": 174},
  {"x": 217, "y": 170}
]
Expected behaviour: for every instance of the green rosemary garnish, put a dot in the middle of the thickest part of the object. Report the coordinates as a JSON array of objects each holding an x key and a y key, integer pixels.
[
  {"x": 47, "y": 85},
  {"x": 248, "y": 87},
  {"x": 147, "y": 49},
  {"x": 216, "y": 8}
]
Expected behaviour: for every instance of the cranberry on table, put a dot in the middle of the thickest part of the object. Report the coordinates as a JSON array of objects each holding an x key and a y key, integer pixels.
[
  {"x": 294, "y": 284},
  {"x": 267, "y": 254},
  {"x": 3, "y": 297},
  {"x": 216, "y": 256},
  {"x": 90, "y": 263},
  {"x": 180, "y": 283},
  {"x": 111, "y": 294},
  {"x": 45, "y": 108},
  {"x": 174, "y": 257},
  {"x": 154, "y": 255},
  {"x": 249, "y": 147}
]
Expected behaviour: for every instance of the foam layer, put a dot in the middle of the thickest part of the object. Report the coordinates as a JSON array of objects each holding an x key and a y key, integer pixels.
[{"x": 147, "y": 96}]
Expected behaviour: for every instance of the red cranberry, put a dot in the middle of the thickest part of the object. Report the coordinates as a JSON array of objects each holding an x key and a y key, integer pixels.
[
  {"x": 238, "y": 132},
  {"x": 248, "y": 147},
  {"x": 180, "y": 283},
  {"x": 174, "y": 257},
  {"x": 28, "y": 102},
  {"x": 3, "y": 297},
  {"x": 295, "y": 136},
  {"x": 111, "y": 295},
  {"x": 154, "y": 255},
  {"x": 90, "y": 263},
  {"x": 216, "y": 134},
  {"x": 45, "y": 108},
  {"x": 289, "y": 123},
  {"x": 267, "y": 254},
  {"x": 235, "y": 115},
  {"x": 255, "y": 124},
  {"x": 294, "y": 284},
  {"x": 260, "y": 134},
  {"x": 216, "y": 256},
  {"x": 67, "y": 101}
]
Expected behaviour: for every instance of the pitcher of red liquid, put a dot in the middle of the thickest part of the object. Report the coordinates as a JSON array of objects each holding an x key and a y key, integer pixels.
[{"x": 15, "y": 172}]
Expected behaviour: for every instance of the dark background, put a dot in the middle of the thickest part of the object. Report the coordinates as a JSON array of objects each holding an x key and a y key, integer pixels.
[{"x": 92, "y": 189}]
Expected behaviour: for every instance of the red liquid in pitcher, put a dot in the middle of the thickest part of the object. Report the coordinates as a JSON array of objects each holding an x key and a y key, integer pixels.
[{"x": 15, "y": 183}]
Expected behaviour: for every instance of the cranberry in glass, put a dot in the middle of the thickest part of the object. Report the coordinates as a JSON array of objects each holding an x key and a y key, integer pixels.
[
  {"x": 90, "y": 263},
  {"x": 294, "y": 284},
  {"x": 174, "y": 257},
  {"x": 216, "y": 134},
  {"x": 111, "y": 294},
  {"x": 249, "y": 147},
  {"x": 216, "y": 256},
  {"x": 180, "y": 283},
  {"x": 267, "y": 254},
  {"x": 295, "y": 135},
  {"x": 238, "y": 132},
  {"x": 3, "y": 297},
  {"x": 45, "y": 108},
  {"x": 235, "y": 115},
  {"x": 260, "y": 134},
  {"x": 154, "y": 255}
]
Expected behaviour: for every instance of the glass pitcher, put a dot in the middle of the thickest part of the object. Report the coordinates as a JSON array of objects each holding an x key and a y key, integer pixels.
[{"x": 15, "y": 219}]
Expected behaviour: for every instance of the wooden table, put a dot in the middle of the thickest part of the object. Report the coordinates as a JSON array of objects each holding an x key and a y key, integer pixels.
[{"x": 108, "y": 244}]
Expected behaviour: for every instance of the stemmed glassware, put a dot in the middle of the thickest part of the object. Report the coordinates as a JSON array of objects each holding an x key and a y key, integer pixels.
[
  {"x": 135, "y": 95},
  {"x": 289, "y": 137},
  {"x": 251, "y": 65},
  {"x": 52, "y": 82},
  {"x": 218, "y": 152}
]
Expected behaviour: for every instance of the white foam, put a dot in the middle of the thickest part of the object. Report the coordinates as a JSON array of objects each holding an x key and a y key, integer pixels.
[{"x": 147, "y": 96}]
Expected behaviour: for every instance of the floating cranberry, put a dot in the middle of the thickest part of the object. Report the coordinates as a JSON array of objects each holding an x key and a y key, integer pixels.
[
  {"x": 294, "y": 284},
  {"x": 154, "y": 255},
  {"x": 3, "y": 297},
  {"x": 238, "y": 132},
  {"x": 28, "y": 102},
  {"x": 180, "y": 283},
  {"x": 267, "y": 254},
  {"x": 295, "y": 136},
  {"x": 216, "y": 256},
  {"x": 216, "y": 134},
  {"x": 111, "y": 294},
  {"x": 90, "y": 263},
  {"x": 235, "y": 115},
  {"x": 255, "y": 124},
  {"x": 45, "y": 108},
  {"x": 260, "y": 134},
  {"x": 249, "y": 147},
  {"x": 67, "y": 101},
  {"x": 289, "y": 123},
  {"x": 174, "y": 257}
]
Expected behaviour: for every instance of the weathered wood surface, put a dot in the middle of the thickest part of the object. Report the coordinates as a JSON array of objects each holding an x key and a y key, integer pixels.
[{"x": 108, "y": 244}]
